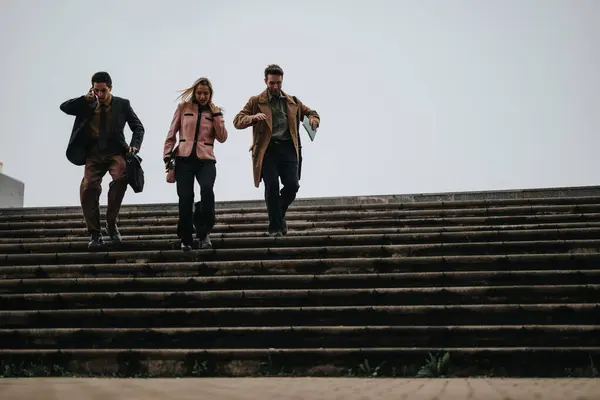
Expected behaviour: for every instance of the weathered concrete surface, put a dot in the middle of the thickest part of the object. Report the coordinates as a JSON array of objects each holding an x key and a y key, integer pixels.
[
  {"x": 313, "y": 303},
  {"x": 534, "y": 193},
  {"x": 298, "y": 388},
  {"x": 12, "y": 192}
]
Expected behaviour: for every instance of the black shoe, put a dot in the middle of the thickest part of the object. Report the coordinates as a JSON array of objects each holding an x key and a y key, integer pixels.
[
  {"x": 205, "y": 243},
  {"x": 96, "y": 241},
  {"x": 185, "y": 246},
  {"x": 276, "y": 234},
  {"x": 114, "y": 234},
  {"x": 188, "y": 243}
]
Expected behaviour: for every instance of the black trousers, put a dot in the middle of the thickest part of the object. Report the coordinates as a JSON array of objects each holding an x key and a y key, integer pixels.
[
  {"x": 202, "y": 218},
  {"x": 280, "y": 161}
]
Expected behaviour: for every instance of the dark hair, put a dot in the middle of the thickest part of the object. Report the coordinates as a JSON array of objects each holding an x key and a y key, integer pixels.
[
  {"x": 273, "y": 69},
  {"x": 102, "y": 77}
]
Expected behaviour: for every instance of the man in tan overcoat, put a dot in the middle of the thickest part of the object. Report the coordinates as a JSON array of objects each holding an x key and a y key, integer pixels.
[{"x": 274, "y": 117}]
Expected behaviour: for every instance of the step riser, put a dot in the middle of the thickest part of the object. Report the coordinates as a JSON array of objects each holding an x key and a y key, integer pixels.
[
  {"x": 138, "y": 229},
  {"x": 403, "y": 362},
  {"x": 300, "y": 282},
  {"x": 250, "y": 339},
  {"x": 514, "y": 262},
  {"x": 492, "y": 315},
  {"x": 314, "y": 252},
  {"x": 359, "y": 240},
  {"x": 305, "y": 298}
]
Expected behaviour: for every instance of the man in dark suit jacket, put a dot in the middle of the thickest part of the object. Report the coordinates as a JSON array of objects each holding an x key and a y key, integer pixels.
[{"x": 97, "y": 141}]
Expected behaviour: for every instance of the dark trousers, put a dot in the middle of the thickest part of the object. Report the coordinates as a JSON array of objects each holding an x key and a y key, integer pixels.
[
  {"x": 96, "y": 166},
  {"x": 203, "y": 217},
  {"x": 280, "y": 161}
]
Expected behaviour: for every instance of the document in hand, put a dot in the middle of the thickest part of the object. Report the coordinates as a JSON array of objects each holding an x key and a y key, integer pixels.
[{"x": 311, "y": 133}]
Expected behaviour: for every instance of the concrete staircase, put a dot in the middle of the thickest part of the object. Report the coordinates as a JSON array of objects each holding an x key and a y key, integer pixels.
[{"x": 505, "y": 283}]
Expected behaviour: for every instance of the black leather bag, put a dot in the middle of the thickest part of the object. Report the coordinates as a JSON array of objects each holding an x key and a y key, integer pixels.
[{"x": 135, "y": 173}]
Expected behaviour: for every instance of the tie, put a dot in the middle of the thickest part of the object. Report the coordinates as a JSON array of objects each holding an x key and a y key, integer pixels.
[{"x": 102, "y": 137}]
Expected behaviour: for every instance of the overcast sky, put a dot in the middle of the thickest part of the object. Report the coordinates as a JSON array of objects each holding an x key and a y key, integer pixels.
[{"x": 415, "y": 96}]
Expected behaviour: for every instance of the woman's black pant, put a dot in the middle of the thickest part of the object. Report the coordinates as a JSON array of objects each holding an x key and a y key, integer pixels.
[{"x": 202, "y": 218}]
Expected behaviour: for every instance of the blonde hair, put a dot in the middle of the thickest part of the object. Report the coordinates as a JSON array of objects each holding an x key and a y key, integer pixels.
[{"x": 189, "y": 94}]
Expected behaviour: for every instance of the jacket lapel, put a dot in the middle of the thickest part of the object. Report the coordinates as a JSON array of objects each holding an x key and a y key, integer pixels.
[
  {"x": 114, "y": 110},
  {"x": 263, "y": 107},
  {"x": 292, "y": 114}
]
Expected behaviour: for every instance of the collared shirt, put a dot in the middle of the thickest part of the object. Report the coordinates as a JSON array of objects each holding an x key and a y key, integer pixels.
[
  {"x": 281, "y": 129},
  {"x": 108, "y": 144},
  {"x": 95, "y": 121}
]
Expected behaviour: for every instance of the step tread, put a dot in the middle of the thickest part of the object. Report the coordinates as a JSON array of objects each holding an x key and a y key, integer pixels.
[
  {"x": 311, "y": 225},
  {"x": 319, "y": 231},
  {"x": 338, "y": 240},
  {"x": 308, "y": 328},
  {"x": 413, "y": 308},
  {"x": 390, "y": 202},
  {"x": 366, "y": 350},
  {"x": 404, "y": 276},
  {"x": 315, "y": 212},
  {"x": 293, "y": 250},
  {"x": 292, "y": 292}
]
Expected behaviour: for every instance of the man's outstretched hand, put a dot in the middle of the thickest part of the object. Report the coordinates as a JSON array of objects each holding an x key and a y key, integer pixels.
[
  {"x": 259, "y": 117},
  {"x": 133, "y": 149}
]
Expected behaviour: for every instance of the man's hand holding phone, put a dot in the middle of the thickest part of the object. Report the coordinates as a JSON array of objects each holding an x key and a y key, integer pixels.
[{"x": 91, "y": 96}]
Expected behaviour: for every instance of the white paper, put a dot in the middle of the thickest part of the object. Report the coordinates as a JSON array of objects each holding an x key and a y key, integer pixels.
[{"x": 311, "y": 133}]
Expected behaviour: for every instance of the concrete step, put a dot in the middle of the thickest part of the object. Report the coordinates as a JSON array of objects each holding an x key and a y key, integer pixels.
[
  {"x": 504, "y": 279},
  {"x": 319, "y": 232},
  {"x": 492, "y": 221},
  {"x": 510, "y": 361},
  {"x": 256, "y": 337},
  {"x": 542, "y": 204},
  {"x": 439, "y": 315},
  {"x": 527, "y": 294},
  {"x": 503, "y": 262},
  {"x": 554, "y": 195},
  {"x": 322, "y": 240},
  {"x": 275, "y": 252},
  {"x": 281, "y": 282},
  {"x": 239, "y": 218}
]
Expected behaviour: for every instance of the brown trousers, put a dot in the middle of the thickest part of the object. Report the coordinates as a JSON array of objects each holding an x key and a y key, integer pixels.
[{"x": 96, "y": 167}]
